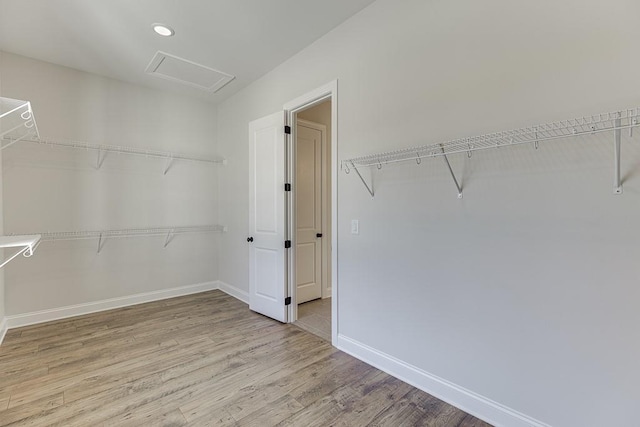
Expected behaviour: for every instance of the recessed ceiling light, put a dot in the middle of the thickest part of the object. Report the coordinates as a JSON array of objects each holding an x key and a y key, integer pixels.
[{"x": 163, "y": 30}]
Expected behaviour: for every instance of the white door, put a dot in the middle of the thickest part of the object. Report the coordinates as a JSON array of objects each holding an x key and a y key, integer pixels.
[
  {"x": 308, "y": 189},
  {"x": 267, "y": 280}
]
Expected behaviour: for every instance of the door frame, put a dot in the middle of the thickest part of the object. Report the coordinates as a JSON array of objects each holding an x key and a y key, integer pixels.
[{"x": 291, "y": 108}]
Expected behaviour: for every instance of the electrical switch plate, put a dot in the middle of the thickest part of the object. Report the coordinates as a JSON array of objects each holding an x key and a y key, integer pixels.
[{"x": 355, "y": 226}]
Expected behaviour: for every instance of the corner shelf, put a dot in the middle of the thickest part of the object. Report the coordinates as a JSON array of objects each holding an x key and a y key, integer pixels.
[
  {"x": 613, "y": 122},
  {"x": 17, "y": 121},
  {"x": 27, "y": 245}
]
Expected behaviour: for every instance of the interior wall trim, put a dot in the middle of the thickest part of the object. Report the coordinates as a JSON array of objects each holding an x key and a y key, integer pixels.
[
  {"x": 466, "y": 400},
  {"x": 42, "y": 316},
  {"x": 3, "y": 329},
  {"x": 233, "y": 291}
]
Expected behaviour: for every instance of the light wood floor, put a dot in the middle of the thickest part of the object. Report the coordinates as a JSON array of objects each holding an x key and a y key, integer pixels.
[
  {"x": 315, "y": 317},
  {"x": 201, "y": 360}
]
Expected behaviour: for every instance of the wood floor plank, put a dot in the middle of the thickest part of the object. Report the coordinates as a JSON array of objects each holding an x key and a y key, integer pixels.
[
  {"x": 260, "y": 394},
  {"x": 258, "y": 369},
  {"x": 4, "y": 402},
  {"x": 471, "y": 421},
  {"x": 13, "y": 334},
  {"x": 172, "y": 418},
  {"x": 269, "y": 415},
  {"x": 73, "y": 373},
  {"x": 198, "y": 360},
  {"x": 85, "y": 382},
  {"x": 436, "y": 412},
  {"x": 16, "y": 378},
  {"x": 9, "y": 350},
  {"x": 319, "y": 413},
  {"x": 326, "y": 384},
  {"x": 220, "y": 419},
  {"x": 375, "y": 395},
  {"x": 34, "y": 410},
  {"x": 257, "y": 396},
  {"x": 153, "y": 394},
  {"x": 401, "y": 413}
]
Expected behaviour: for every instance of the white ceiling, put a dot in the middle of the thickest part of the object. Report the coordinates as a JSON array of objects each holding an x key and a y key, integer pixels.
[{"x": 114, "y": 38}]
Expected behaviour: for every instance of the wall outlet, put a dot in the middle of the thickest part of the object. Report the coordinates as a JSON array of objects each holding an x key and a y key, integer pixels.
[{"x": 355, "y": 226}]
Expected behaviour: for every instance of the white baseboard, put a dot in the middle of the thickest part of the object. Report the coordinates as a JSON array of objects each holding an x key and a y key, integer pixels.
[
  {"x": 3, "y": 329},
  {"x": 466, "y": 400},
  {"x": 233, "y": 291},
  {"x": 108, "y": 304}
]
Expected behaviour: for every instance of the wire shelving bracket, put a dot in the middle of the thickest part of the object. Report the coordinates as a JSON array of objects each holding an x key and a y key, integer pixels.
[
  {"x": 17, "y": 122},
  {"x": 103, "y": 235},
  {"x": 347, "y": 170},
  {"x": 614, "y": 122},
  {"x": 26, "y": 244}
]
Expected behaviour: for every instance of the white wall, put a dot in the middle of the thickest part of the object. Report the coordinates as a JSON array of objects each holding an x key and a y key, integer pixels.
[
  {"x": 56, "y": 189},
  {"x": 525, "y": 291}
]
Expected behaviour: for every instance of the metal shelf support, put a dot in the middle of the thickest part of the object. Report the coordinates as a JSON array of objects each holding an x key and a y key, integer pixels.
[
  {"x": 100, "y": 159},
  {"x": 168, "y": 164},
  {"x": 453, "y": 175},
  {"x": 617, "y": 182},
  {"x": 26, "y": 244},
  {"x": 369, "y": 188},
  {"x": 101, "y": 243},
  {"x": 169, "y": 238}
]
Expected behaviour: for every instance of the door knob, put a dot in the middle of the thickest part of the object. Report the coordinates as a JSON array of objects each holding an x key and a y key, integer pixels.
[
  {"x": 249, "y": 239},
  {"x": 318, "y": 234}
]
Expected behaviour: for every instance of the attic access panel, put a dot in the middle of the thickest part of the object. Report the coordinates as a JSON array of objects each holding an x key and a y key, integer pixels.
[{"x": 180, "y": 70}]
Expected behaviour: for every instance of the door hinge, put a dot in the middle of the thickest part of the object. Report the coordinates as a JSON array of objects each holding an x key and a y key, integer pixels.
[
  {"x": 287, "y": 244},
  {"x": 287, "y": 187},
  {"x": 287, "y": 130},
  {"x": 287, "y": 301}
]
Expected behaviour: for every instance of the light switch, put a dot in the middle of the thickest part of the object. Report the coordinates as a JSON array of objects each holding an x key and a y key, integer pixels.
[{"x": 355, "y": 226}]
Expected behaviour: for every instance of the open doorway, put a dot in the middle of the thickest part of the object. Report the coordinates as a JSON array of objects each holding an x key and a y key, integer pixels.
[
  {"x": 272, "y": 237},
  {"x": 312, "y": 211}
]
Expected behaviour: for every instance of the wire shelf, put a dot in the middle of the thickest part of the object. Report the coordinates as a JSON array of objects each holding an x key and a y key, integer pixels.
[
  {"x": 129, "y": 232},
  {"x": 103, "y": 235},
  {"x": 606, "y": 122},
  {"x": 17, "y": 121},
  {"x": 103, "y": 148},
  {"x": 613, "y": 122}
]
